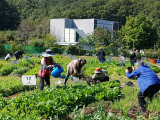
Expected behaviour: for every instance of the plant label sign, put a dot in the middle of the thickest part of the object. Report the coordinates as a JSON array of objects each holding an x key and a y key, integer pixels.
[
  {"x": 69, "y": 55},
  {"x": 36, "y": 55},
  {"x": 39, "y": 54},
  {"x": 94, "y": 54},
  {"x": 87, "y": 53},
  {"x": 29, "y": 80},
  {"x": 27, "y": 57},
  {"x": 15, "y": 61},
  {"x": 109, "y": 58}
]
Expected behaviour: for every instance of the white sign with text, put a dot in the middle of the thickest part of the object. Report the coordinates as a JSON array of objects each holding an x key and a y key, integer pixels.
[
  {"x": 27, "y": 57},
  {"x": 29, "y": 80},
  {"x": 15, "y": 61}
]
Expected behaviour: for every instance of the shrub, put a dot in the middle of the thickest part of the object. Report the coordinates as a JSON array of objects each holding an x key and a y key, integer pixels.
[
  {"x": 37, "y": 43},
  {"x": 15, "y": 48},
  {"x": 56, "y": 50}
]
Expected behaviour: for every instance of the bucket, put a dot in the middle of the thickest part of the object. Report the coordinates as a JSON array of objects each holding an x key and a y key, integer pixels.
[
  {"x": 104, "y": 59},
  {"x": 158, "y": 61},
  {"x": 56, "y": 72},
  {"x": 153, "y": 61}
]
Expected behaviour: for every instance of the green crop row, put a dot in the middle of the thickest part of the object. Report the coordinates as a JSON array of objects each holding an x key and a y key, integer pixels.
[
  {"x": 11, "y": 87},
  {"x": 21, "y": 68},
  {"x": 56, "y": 101}
]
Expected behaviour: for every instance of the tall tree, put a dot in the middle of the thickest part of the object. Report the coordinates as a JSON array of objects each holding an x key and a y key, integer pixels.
[
  {"x": 139, "y": 32},
  {"x": 25, "y": 30},
  {"x": 9, "y": 17}
]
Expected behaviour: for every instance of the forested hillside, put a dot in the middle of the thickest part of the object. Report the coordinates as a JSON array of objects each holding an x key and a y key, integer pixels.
[
  {"x": 115, "y": 10},
  {"x": 18, "y": 14}
]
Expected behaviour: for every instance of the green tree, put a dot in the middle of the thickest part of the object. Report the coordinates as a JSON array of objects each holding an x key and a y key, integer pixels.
[
  {"x": 100, "y": 37},
  {"x": 9, "y": 17},
  {"x": 139, "y": 32},
  {"x": 50, "y": 40},
  {"x": 25, "y": 30}
]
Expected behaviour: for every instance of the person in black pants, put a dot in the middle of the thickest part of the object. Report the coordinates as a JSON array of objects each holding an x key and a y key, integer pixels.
[
  {"x": 18, "y": 54},
  {"x": 148, "y": 82},
  {"x": 100, "y": 55},
  {"x": 47, "y": 64}
]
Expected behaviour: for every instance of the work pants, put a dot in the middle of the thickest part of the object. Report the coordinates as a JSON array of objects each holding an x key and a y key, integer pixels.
[
  {"x": 47, "y": 79},
  {"x": 149, "y": 92},
  {"x": 65, "y": 80}
]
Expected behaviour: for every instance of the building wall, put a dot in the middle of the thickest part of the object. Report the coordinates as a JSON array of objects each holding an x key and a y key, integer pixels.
[
  {"x": 87, "y": 25},
  {"x": 105, "y": 23},
  {"x": 57, "y": 28}
]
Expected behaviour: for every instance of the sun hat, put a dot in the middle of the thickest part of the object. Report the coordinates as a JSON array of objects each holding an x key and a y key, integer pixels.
[
  {"x": 98, "y": 70},
  {"x": 47, "y": 53}
]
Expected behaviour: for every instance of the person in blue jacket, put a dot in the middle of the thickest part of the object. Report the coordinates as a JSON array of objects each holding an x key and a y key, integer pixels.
[{"x": 148, "y": 82}]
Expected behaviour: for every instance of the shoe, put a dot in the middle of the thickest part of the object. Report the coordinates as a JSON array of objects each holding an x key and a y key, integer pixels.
[{"x": 141, "y": 112}]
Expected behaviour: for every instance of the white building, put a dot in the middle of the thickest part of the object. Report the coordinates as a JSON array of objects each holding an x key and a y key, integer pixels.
[{"x": 68, "y": 31}]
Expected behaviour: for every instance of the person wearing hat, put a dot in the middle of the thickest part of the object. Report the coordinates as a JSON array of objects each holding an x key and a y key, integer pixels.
[
  {"x": 148, "y": 82},
  {"x": 100, "y": 75},
  {"x": 100, "y": 55},
  {"x": 74, "y": 67},
  {"x": 47, "y": 64}
]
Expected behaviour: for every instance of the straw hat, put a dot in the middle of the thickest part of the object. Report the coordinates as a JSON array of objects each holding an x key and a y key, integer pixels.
[
  {"x": 48, "y": 53},
  {"x": 98, "y": 70}
]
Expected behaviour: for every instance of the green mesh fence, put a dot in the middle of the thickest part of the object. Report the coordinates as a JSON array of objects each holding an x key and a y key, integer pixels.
[{"x": 27, "y": 49}]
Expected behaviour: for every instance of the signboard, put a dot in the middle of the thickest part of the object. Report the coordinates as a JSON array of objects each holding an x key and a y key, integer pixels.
[
  {"x": 39, "y": 54},
  {"x": 27, "y": 57},
  {"x": 87, "y": 53},
  {"x": 109, "y": 58},
  {"x": 71, "y": 57},
  {"x": 15, "y": 61},
  {"x": 36, "y": 55},
  {"x": 64, "y": 53},
  {"x": 29, "y": 80},
  {"x": 94, "y": 55}
]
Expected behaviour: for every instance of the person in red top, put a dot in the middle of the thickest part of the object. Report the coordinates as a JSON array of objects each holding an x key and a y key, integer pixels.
[{"x": 47, "y": 64}]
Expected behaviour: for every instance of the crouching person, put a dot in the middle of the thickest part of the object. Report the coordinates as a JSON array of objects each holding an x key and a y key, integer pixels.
[
  {"x": 148, "y": 82},
  {"x": 100, "y": 75},
  {"x": 74, "y": 67}
]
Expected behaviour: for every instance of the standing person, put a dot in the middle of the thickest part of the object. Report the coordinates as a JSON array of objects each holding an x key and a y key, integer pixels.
[
  {"x": 133, "y": 58},
  {"x": 100, "y": 75},
  {"x": 74, "y": 67},
  {"x": 18, "y": 54},
  {"x": 47, "y": 64},
  {"x": 148, "y": 82},
  {"x": 8, "y": 56},
  {"x": 100, "y": 55},
  {"x": 122, "y": 58}
]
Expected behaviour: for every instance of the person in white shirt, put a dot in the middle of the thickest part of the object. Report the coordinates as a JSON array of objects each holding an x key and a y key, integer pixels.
[{"x": 8, "y": 56}]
